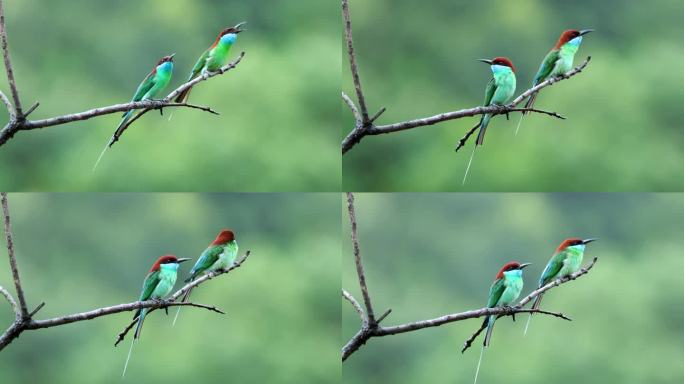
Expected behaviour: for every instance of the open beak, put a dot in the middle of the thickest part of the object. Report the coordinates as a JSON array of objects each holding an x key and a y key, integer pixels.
[
  {"x": 523, "y": 265},
  {"x": 172, "y": 55},
  {"x": 183, "y": 259},
  {"x": 585, "y": 31},
  {"x": 587, "y": 241},
  {"x": 485, "y": 61},
  {"x": 238, "y": 28}
]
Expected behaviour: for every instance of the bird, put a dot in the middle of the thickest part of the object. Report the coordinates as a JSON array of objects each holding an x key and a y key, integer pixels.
[
  {"x": 214, "y": 57},
  {"x": 557, "y": 62},
  {"x": 565, "y": 261},
  {"x": 157, "y": 284},
  {"x": 504, "y": 291},
  {"x": 499, "y": 91},
  {"x": 219, "y": 255},
  {"x": 154, "y": 82}
]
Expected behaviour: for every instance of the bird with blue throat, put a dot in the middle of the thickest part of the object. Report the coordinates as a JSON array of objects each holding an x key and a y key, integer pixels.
[
  {"x": 499, "y": 91},
  {"x": 150, "y": 87},
  {"x": 556, "y": 63},
  {"x": 565, "y": 261},
  {"x": 158, "y": 284},
  {"x": 504, "y": 291}
]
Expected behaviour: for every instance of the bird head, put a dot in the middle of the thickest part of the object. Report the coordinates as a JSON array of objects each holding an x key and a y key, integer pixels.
[
  {"x": 573, "y": 242},
  {"x": 571, "y": 34},
  {"x": 224, "y": 237},
  {"x": 229, "y": 35},
  {"x": 512, "y": 266},
  {"x": 165, "y": 59},
  {"x": 501, "y": 61},
  {"x": 166, "y": 259}
]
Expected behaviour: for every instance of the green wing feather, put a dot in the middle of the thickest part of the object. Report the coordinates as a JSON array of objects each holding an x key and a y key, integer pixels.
[
  {"x": 150, "y": 283},
  {"x": 495, "y": 292},
  {"x": 199, "y": 65},
  {"x": 552, "y": 268},
  {"x": 143, "y": 88},
  {"x": 489, "y": 92},
  {"x": 206, "y": 260},
  {"x": 546, "y": 66}
]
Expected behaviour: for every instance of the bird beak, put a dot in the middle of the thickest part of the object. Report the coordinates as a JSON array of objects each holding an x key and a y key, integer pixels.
[
  {"x": 237, "y": 27},
  {"x": 183, "y": 259},
  {"x": 523, "y": 265},
  {"x": 585, "y": 31},
  {"x": 587, "y": 241},
  {"x": 485, "y": 61},
  {"x": 172, "y": 55}
]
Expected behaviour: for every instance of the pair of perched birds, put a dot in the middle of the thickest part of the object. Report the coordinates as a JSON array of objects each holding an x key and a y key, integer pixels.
[
  {"x": 212, "y": 60},
  {"x": 501, "y": 87},
  {"x": 219, "y": 255},
  {"x": 508, "y": 283}
]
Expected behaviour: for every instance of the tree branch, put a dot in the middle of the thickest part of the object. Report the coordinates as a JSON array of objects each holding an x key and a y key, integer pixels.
[
  {"x": 24, "y": 320},
  {"x": 8, "y": 66},
  {"x": 15, "y": 125},
  {"x": 12, "y": 259},
  {"x": 346, "y": 295},
  {"x": 364, "y": 126},
  {"x": 357, "y": 259},
  {"x": 370, "y": 330}
]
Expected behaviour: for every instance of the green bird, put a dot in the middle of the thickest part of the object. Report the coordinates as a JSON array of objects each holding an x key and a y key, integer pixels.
[
  {"x": 499, "y": 91},
  {"x": 565, "y": 261},
  {"x": 219, "y": 255},
  {"x": 158, "y": 284},
  {"x": 150, "y": 87},
  {"x": 214, "y": 58},
  {"x": 557, "y": 62},
  {"x": 504, "y": 291}
]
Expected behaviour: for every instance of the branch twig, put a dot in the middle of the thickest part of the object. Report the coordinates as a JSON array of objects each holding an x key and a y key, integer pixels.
[
  {"x": 12, "y": 259},
  {"x": 8, "y": 66},
  {"x": 369, "y": 330}
]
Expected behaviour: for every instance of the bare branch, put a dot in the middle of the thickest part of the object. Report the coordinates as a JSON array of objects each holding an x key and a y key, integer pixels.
[
  {"x": 12, "y": 259},
  {"x": 8, "y": 104},
  {"x": 352, "y": 107},
  {"x": 352, "y": 60},
  {"x": 15, "y": 125},
  {"x": 10, "y": 299},
  {"x": 8, "y": 65},
  {"x": 352, "y": 301},
  {"x": 357, "y": 259},
  {"x": 356, "y": 135}
]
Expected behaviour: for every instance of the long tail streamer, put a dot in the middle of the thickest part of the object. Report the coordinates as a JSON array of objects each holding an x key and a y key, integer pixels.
[
  {"x": 468, "y": 167},
  {"x": 527, "y": 325},
  {"x": 477, "y": 371},
  {"x": 129, "y": 357},
  {"x": 519, "y": 122}
]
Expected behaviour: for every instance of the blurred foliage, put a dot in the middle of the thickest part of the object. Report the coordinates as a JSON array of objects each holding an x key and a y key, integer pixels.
[
  {"x": 279, "y": 111},
  {"x": 429, "y": 255},
  {"x": 623, "y": 130},
  {"x": 83, "y": 251}
]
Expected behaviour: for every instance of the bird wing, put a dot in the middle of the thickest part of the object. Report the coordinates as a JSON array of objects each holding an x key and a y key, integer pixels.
[
  {"x": 145, "y": 86},
  {"x": 207, "y": 259},
  {"x": 199, "y": 64},
  {"x": 552, "y": 268},
  {"x": 495, "y": 292},
  {"x": 489, "y": 92},
  {"x": 150, "y": 283},
  {"x": 546, "y": 66}
]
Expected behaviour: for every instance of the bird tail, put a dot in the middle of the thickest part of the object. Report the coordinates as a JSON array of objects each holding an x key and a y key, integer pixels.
[
  {"x": 183, "y": 300},
  {"x": 477, "y": 371},
  {"x": 490, "y": 327},
  {"x": 128, "y": 358},
  {"x": 114, "y": 138},
  {"x": 535, "y": 305},
  {"x": 483, "y": 128},
  {"x": 529, "y": 104},
  {"x": 183, "y": 96},
  {"x": 468, "y": 166},
  {"x": 141, "y": 319}
]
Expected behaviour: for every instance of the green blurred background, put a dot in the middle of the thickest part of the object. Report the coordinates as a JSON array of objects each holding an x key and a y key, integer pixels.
[
  {"x": 82, "y": 251},
  {"x": 623, "y": 131},
  {"x": 428, "y": 255},
  {"x": 279, "y": 112}
]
